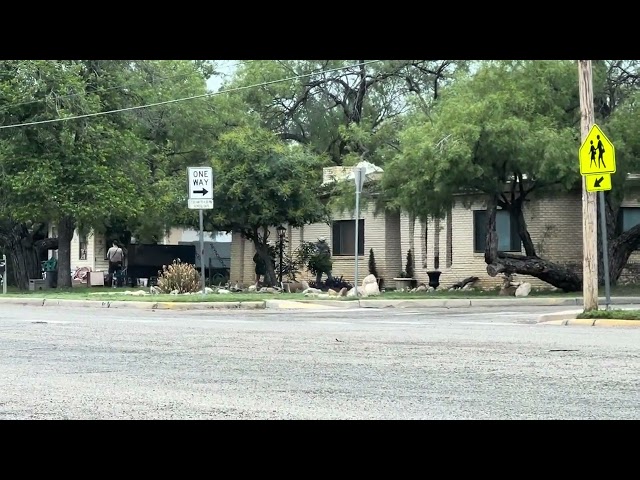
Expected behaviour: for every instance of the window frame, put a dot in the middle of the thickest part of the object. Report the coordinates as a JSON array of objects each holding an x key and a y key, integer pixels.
[
  {"x": 83, "y": 241},
  {"x": 479, "y": 219},
  {"x": 336, "y": 229}
]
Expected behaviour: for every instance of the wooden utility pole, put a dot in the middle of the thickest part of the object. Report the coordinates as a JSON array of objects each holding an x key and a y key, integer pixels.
[{"x": 589, "y": 205}]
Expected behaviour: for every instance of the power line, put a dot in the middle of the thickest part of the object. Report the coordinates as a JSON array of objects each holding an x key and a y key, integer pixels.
[
  {"x": 166, "y": 102},
  {"x": 123, "y": 86}
]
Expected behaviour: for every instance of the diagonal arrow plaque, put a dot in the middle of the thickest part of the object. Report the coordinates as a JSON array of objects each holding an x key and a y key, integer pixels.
[{"x": 598, "y": 183}]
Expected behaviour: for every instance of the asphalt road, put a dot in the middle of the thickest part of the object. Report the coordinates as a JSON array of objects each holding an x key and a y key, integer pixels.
[{"x": 66, "y": 363}]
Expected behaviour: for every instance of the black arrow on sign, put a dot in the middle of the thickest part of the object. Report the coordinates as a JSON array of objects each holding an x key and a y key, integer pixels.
[
  {"x": 595, "y": 185},
  {"x": 203, "y": 191}
]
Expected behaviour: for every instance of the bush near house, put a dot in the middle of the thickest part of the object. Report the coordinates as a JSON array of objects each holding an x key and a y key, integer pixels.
[{"x": 179, "y": 276}]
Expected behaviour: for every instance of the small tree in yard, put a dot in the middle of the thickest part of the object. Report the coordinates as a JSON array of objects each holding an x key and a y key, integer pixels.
[
  {"x": 373, "y": 270},
  {"x": 261, "y": 183},
  {"x": 409, "y": 266},
  {"x": 372, "y": 264}
]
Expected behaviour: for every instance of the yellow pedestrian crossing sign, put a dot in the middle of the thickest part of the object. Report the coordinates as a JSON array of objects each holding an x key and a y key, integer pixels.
[
  {"x": 597, "y": 154},
  {"x": 598, "y": 183}
]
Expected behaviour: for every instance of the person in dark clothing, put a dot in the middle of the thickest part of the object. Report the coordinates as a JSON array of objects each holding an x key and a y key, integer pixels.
[{"x": 115, "y": 255}]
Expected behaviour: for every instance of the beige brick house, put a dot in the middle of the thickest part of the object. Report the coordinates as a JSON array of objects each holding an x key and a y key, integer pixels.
[
  {"x": 379, "y": 232},
  {"x": 453, "y": 245}
]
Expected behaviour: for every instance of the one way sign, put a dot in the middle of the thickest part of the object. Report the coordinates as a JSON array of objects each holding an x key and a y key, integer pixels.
[
  {"x": 200, "y": 182},
  {"x": 200, "y": 185}
]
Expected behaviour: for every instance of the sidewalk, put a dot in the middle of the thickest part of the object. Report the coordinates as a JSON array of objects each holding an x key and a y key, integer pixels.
[{"x": 318, "y": 304}]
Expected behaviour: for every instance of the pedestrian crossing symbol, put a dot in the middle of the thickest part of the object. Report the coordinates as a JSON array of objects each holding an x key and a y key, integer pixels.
[{"x": 597, "y": 154}]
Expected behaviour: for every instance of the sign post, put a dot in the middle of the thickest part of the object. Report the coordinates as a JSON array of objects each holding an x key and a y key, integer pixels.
[
  {"x": 359, "y": 176},
  {"x": 3, "y": 272},
  {"x": 597, "y": 163},
  {"x": 200, "y": 188}
]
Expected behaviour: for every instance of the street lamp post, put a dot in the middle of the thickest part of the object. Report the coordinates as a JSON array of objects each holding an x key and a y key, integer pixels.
[{"x": 281, "y": 233}]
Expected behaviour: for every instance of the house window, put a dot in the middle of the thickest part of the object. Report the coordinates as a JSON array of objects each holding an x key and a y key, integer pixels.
[
  {"x": 344, "y": 237},
  {"x": 508, "y": 238},
  {"x": 82, "y": 246},
  {"x": 630, "y": 217}
]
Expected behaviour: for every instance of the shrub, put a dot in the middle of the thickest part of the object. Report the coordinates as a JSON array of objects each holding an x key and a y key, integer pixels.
[
  {"x": 179, "y": 276},
  {"x": 334, "y": 283},
  {"x": 372, "y": 264},
  {"x": 409, "y": 265},
  {"x": 308, "y": 256}
]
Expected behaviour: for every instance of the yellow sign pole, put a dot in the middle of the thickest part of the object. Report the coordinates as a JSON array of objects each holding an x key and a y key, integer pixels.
[{"x": 589, "y": 207}]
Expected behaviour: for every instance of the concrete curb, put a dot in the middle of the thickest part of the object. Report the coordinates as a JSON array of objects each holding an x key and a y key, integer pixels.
[
  {"x": 306, "y": 303},
  {"x": 569, "y": 318},
  {"x": 55, "y": 302},
  {"x": 558, "y": 318}
]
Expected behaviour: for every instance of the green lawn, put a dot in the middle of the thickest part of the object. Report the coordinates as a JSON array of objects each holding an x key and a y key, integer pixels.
[
  {"x": 106, "y": 293},
  {"x": 117, "y": 294},
  {"x": 613, "y": 314}
]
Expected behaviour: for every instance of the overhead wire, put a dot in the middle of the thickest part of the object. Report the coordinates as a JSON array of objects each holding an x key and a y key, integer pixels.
[
  {"x": 123, "y": 86},
  {"x": 167, "y": 102}
]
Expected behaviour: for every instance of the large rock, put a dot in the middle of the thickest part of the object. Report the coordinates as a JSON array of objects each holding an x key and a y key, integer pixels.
[
  {"x": 523, "y": 289},
  {"x": 371, "y": 289},
  {"x": 294, "y": 287},
  {"x": 252, "y": 288},
  {"x": 343, "y": 292},
  {"x": 352, "y": 292},
  {"x": 369, "y": 279},
  {"x": 331, "y": 292},
  {"x": 305, "y": 285},
  {"x": 311, "y": 290}
]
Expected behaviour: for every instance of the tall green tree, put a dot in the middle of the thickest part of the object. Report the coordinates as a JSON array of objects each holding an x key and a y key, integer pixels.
[
  {"x": 507, "y": 133},
  {"x": 95, "y": 172},
  {"x": 262, "y": 182},
  {"x": 176, "y": 135},
  {"x": 616, "y": 95},
  {"x": 350, "y": 114}
]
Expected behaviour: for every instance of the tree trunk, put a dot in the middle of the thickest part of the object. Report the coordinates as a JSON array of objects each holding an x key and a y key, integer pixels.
[
  {"x": 66, "y": 227},
  {"x": 491, "y": 242},
  {"x": 263, "y": 250},
  {"x": 532, "y": 265},
  {"x": 22, "y": 253},
  {"x": 620, "y": 249},
  {"x": 25, "y": 262},
  {"x": 552, "y": 273}
]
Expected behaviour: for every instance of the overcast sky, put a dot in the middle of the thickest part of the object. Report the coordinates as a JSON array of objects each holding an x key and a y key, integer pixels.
[{"x": 226, "y": 68}]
